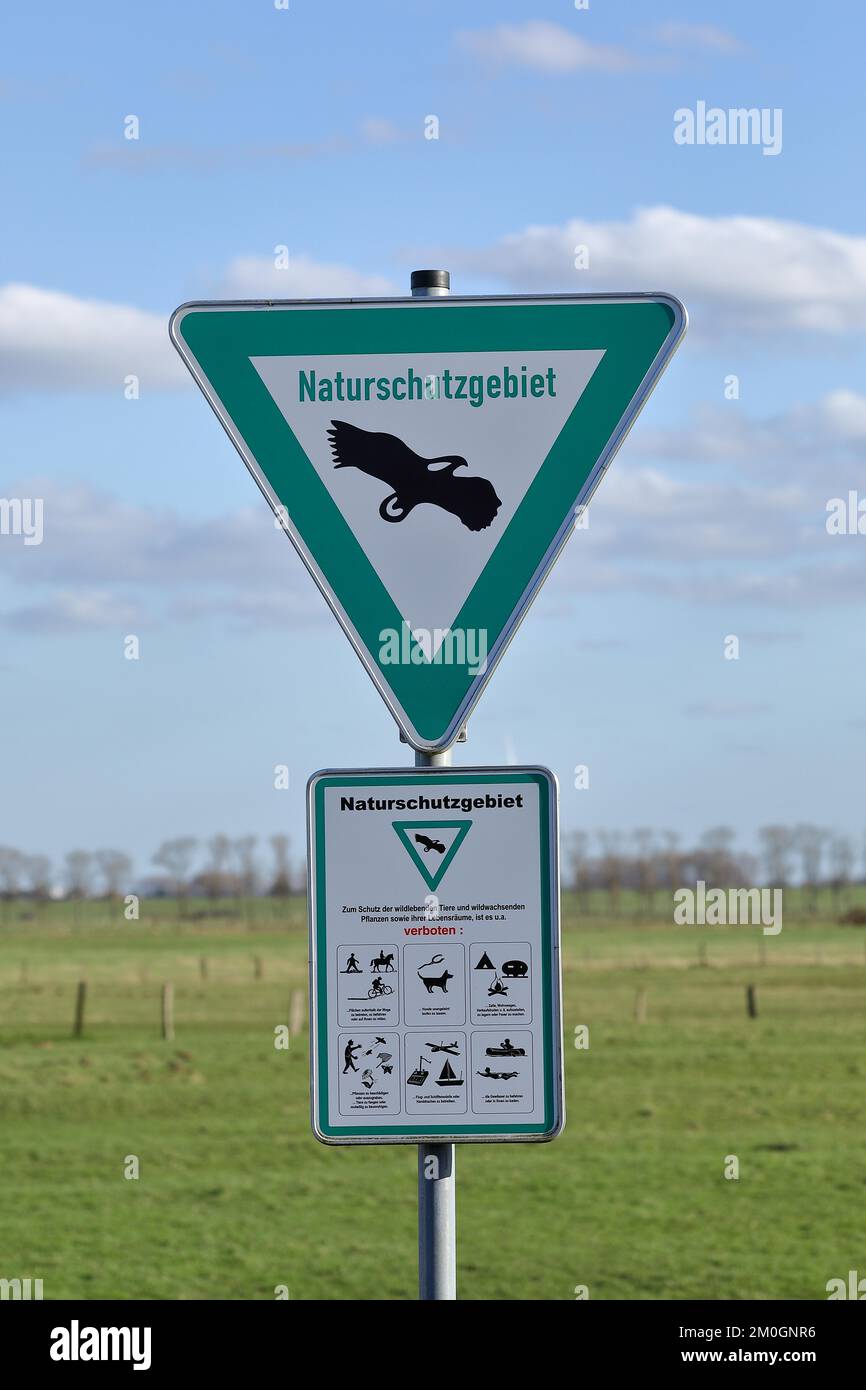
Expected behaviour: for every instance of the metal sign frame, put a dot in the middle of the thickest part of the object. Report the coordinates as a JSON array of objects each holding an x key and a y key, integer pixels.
[
  {"x": 551, "y": 990},
  {"x": 435, "y": 304}
]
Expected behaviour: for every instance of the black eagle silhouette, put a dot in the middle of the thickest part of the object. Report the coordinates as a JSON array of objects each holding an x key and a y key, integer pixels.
[
  {"x": 414, "y": 479},
  {"x": 430, "y": 844}
]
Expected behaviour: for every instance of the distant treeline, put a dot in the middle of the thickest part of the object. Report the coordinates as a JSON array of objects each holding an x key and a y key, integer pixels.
[
  {"x": 641, "y": 861},
  {"x": 647, "y": 862},
  {"x": 185, "y": 867}
]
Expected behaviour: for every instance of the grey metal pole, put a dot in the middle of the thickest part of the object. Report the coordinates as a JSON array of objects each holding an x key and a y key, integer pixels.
[
  {"x": 437, "y": 1220},
  {"x": 437, "y": 1224}
]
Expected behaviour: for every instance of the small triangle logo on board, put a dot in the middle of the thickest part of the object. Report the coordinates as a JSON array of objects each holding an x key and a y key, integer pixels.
[
  {"x": 484, "y": 963},
  {"x": 432, "y": 845}
]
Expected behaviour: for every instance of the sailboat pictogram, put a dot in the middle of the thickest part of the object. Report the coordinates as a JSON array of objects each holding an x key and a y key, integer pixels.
[{"x": 448, "y": 1077}]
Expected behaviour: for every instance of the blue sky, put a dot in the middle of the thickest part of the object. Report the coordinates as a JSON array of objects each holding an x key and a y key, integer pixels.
[{"x": 262, "y": 127}]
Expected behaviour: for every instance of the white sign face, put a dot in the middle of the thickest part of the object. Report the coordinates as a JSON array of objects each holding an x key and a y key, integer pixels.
[
  {"x": 435, "y": 975},
  {"x": 507, "y": 447}
]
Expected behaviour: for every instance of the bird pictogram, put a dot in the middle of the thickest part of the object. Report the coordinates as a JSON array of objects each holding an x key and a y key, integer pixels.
[{"x": 414, "y": 479}]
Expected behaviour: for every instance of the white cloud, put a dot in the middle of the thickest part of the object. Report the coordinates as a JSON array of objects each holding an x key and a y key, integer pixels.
[
  {"x": 545, "y": 47},
  {"x": 71, "y": 611},
  {"x": 106, "y": 563},
  {"x": 714, "y": 543},
  {"x": 751, "y": 274},
  {"x": 51, "y": 341},
  {"x": 256, "y": 277},
  {"x": 844, "y": 414},
  {"x": 378, "y": 130},
  {"x": 645, "y": 515},
  {"x": 818, "y": 443},
  {"x": 93, "y": 539},
  {"x": 56, "y": 342},
  {"x": 701, "y": 36}
]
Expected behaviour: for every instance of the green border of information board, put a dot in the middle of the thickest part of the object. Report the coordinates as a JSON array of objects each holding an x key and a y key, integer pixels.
[{"x": 554, "y": 1109}]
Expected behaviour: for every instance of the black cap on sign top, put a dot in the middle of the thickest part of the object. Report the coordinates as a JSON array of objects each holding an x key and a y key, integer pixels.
[{"x": 430, "y": 280}]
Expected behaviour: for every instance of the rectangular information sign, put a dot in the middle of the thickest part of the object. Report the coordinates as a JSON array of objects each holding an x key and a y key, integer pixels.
[{"x": 435, "y": 967}]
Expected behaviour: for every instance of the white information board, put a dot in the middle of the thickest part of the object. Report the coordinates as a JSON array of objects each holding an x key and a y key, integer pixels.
[{"x": 435, "y": 968}]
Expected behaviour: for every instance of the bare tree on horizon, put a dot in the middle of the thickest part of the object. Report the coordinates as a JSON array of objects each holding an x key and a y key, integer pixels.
[
  {"x": 79, "y": 873},
  {"x": 116, "y": 870},
  {"x": 245, "y": 849},
  {"x": 778, "y": 843},
  {"x": 282, "y": 882},
  {"x": 37, "y": 873},
  {"x": 175, "y": 856},
  {"x": 11, "y": 867},
  {"x": 811, "y": 841}
]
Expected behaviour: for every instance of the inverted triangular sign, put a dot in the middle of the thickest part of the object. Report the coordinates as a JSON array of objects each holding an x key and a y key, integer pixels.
[
  {"x": 432, "y": 845},
  {"x": 428, "y": 458}
]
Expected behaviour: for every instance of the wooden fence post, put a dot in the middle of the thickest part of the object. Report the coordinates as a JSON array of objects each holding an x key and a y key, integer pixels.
[
  {"x": 752, "y": 1001},
  {"x": 80, "y": 1002},
  {"x": 296, "y": 1013},
  {"x": 167, "y": 1012}
]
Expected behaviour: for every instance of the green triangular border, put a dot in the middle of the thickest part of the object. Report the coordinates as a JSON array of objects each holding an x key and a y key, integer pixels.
[
  {"x": 432, "y": 880},
  {"x": 220, "y": 340}
]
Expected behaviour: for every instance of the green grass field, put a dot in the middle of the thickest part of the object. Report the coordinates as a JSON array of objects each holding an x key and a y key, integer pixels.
[{"x": 235, "y": 1196}]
